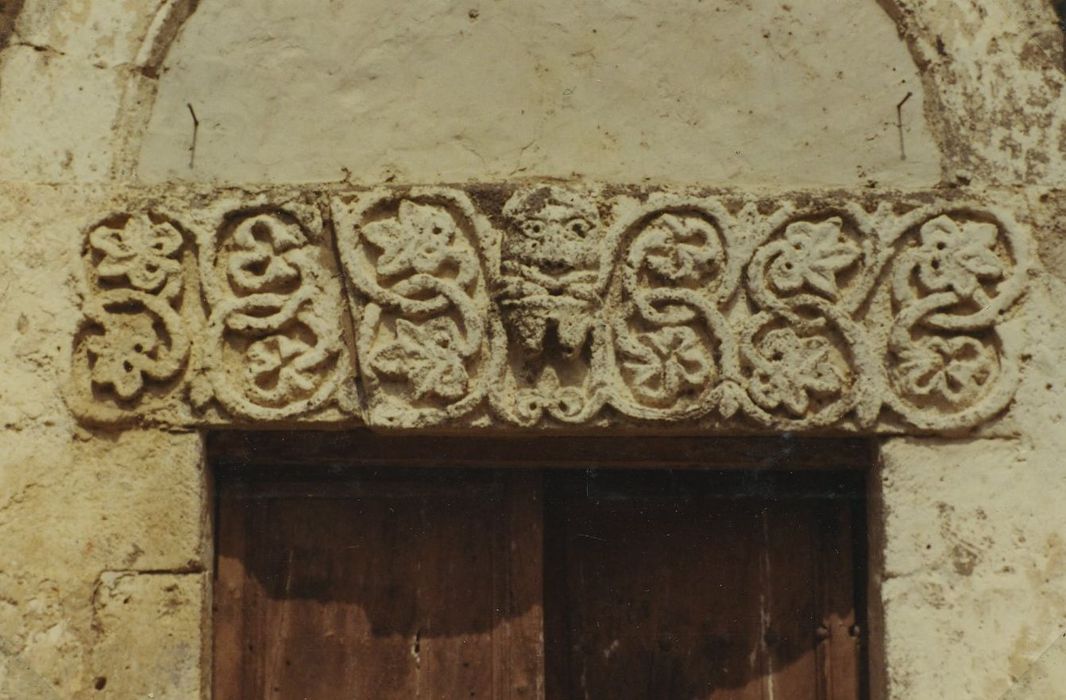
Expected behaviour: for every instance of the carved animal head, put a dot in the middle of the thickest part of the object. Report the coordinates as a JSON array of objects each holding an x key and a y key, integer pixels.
[{"x": 553, "y": 229}]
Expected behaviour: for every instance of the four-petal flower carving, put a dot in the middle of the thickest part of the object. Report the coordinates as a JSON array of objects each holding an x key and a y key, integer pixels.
[
  {"x": 667, "y": 361},
  {"x": 812, "y": 254},
  {"x": 141, "y": 251},
  {"x": 955, "y": 369},
  {"x": 274, "y": 370},
  {"x": 265, "y": 250},
  {"x": 420, "y": 239},
  {"x": 428, "y": 356},
  {"x": 958, "y": 256},
  {"x": 792, "y": 369}
]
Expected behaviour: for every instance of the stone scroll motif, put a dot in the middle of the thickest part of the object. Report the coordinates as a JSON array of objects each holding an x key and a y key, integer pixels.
[
  {"x": 273, "y": 344},
  {"x": 672, "y": 351},
  {"x": 953, "y": 279},
  {"x": 229, "y": 315},
  {"x": 552, "y": 305}
]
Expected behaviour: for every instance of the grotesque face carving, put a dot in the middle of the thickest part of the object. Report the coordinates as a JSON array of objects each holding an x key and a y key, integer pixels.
[
  {"x": 552, "y": 230},
  {"x": 550, "y": 261}
]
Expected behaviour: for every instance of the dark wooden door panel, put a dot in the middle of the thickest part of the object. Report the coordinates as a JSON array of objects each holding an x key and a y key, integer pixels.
[
  {"x": 450, "y": 584},
  {"x": 671, "y": 588},
  {"x": 383, "y": 587}
]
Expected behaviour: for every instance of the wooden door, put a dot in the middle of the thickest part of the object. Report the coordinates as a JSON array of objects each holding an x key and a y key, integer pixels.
[
  {"x": 558, "y": 584},
  {"x": 693, "y": 586},
  {"x": 379, "y": 586}
]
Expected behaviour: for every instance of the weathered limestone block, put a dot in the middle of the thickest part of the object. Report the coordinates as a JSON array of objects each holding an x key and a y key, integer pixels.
[
  {"x": 161, "y": 612},
  {"x": 551, "y": 305},
  {"x": 1046, "y": 677},
  {"x": 975, "y": 564},
  {"x": 73, "y": 509}
]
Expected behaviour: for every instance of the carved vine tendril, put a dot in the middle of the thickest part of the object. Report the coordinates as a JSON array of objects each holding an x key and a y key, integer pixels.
[{"x": 270, "y": 317}]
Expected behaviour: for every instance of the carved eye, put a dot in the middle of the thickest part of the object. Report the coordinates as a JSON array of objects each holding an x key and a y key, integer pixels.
[
  {"x": 533, "y": 228},
  {"x": 579, "y": 226}
]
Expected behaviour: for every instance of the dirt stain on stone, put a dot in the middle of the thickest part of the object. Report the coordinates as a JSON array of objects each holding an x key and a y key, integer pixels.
[{"x": 964, "y": 559}]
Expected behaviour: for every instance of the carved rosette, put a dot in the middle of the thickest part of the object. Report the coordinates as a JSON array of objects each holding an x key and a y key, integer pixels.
[
  {"x": 131, "y": 349},
  {"x": 552, "y": 305},
  {"x": 424, "y": 338},
  {"x": 273, "y": 344}
]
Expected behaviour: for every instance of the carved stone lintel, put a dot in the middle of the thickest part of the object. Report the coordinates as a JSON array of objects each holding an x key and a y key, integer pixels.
[{"x": 550, "y": 305}]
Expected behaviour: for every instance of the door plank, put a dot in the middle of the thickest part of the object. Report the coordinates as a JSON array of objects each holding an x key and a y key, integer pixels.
[
  {"x": 657, "y": 599},
  {"x": 789, "y": 579},
  {"x": 525, "y": 585},
  {"x": 840, "y": 654}
]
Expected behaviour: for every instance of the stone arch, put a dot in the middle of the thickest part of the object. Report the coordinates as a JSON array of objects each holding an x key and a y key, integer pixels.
[
  {"x": 78, "y": 80},
  {"x": 978, "y": 62}
]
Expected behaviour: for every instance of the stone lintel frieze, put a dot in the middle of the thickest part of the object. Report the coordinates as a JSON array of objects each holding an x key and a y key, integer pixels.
[{"x": 549, "y": 305}]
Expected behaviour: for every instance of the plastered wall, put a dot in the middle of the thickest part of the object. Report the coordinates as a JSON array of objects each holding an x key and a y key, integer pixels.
[{"x": 103, "y": 534}]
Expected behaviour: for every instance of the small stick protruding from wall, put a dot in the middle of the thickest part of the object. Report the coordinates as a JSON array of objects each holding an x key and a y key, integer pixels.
[
  {"x": 195, "y": 132},
  {"x": 899, "y": 125}
]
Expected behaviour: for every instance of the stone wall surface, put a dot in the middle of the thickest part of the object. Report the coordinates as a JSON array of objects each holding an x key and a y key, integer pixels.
[
  {"x": 104, "y": 529},
  {"x": 79, "y": 509}
]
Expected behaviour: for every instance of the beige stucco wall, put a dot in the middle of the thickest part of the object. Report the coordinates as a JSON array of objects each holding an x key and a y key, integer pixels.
[{"x": 103, "y": 546}]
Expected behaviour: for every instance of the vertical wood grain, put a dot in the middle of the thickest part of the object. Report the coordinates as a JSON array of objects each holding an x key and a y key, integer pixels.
[{"x": 379, "y": 588}]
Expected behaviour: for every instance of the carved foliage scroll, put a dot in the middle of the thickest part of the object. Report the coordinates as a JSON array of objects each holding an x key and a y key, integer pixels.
[
  {"x": 230, "y": 314},
  {"x": 551, "y": 304},
  {"x": 415, "y": 259},
  {"x": 673, "y": 354},
  {"x": 955, "y": 274},
  {"x": 805, "y": 356},
  {"x": 273, "y": 347}
]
